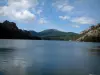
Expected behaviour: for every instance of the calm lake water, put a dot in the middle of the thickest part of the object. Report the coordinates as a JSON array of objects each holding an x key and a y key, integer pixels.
[{"x": 26, "y": 57}]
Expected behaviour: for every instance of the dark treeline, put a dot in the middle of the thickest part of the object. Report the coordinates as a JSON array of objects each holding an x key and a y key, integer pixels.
[{"x": 9, "y": 30}]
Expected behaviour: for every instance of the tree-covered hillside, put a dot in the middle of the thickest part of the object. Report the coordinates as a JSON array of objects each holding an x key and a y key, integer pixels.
[
  {"x": 53, "y": 34},
  {"x": 9, "y": 30}
]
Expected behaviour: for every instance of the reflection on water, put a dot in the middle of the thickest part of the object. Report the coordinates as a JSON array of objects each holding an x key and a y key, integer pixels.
[
  {"x": 95, "y": 50},
  {"x": 49, "y": 58}
]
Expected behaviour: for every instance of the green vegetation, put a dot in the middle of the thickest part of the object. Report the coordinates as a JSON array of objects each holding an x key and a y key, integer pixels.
[
  {"x": 9, "y": 30},
  {"x": 53, "y": 34}
]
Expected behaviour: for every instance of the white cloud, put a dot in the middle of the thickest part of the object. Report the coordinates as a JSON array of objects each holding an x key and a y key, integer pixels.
[
  {"x": 39, "y": 11},
  {"x": 67, "y": 8},
  {"x": 84, "y": 20},
  {"x": 63, "y": 6},
  {"x": 24, "y": 15},
  {"x": 1, "y": 12},
  {"x": 75, "y": 26},
  {"x": 64, "y": 17},
  {"x": 19, "y": 9},
  {"x": 42, "y": 21},
  {"x": 23, "y": 3}
]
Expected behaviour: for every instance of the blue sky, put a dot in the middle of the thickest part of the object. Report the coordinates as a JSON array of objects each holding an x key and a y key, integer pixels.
[{"x": 38, "y": 15}]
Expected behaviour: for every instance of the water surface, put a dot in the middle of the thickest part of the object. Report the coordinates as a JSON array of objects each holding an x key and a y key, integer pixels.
[{"x": 27, "y": 57}]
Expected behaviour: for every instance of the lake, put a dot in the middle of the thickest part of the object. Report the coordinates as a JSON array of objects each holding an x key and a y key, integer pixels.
[{"x": 31, "y": 57}]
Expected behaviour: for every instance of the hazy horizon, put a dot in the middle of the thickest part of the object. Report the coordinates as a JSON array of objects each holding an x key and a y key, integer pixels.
[{"x": 38, "y": 15}]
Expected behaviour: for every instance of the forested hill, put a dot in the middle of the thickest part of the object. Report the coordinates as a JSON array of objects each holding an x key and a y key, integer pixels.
[
  {"x": 54, "y": 34},
  {"x": 9, "y": 30},
  {"x": 91, "y": 35}
]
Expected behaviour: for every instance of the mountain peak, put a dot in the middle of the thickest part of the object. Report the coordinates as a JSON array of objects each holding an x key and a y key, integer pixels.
[
  {"x": 10, "y": 25},
  {"x": 49, "y": 30}
]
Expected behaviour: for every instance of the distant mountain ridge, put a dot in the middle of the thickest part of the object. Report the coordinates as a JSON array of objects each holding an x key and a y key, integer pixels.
[
  {"x": 9, "y": 30},
  {"x": 54, "y": 34},
  {"x": 51, "y": 32},
  {"x": 33, "y": 33}
]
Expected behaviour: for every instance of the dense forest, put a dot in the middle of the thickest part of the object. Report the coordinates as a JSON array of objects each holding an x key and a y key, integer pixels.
[
  {"x": 9, "y": 30},
  {"x": 53, "y": 34}
]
